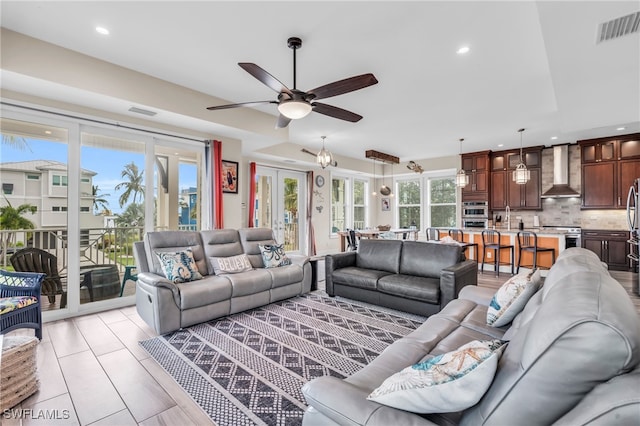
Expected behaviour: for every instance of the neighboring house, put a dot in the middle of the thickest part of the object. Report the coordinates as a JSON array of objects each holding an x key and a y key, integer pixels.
[
  {"x": 43, "y": 183},
  {"x": 188, "y": 205}
]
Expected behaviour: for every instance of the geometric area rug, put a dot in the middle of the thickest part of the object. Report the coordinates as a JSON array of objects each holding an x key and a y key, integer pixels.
[{"x": 249, "y": 368}]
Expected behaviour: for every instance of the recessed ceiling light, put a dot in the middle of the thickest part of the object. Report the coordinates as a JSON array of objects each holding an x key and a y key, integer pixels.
[
  {"x": 463, "y": 50},
  {"x": 621, "y": 128},
  {"x": 553, "y": 138},
  {"x": 500, "y": 145},
  {"x": 102, "y": 30},
  {"x": 47, "y": 132}
]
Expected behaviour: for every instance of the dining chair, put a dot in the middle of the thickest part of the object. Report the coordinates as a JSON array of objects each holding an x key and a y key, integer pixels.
[
  {"x": 33, "y": 259},
  {"x": 528, "y": 241},
  {"x": 491, "y": 240},
  {"x": 352, "y": 243},
  {"x": 433, "y": 234}
]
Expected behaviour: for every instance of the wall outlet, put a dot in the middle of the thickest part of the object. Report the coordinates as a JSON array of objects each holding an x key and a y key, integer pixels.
[
  {"x": 518, "y": 217},
  {"x": 489, "y": 255}
]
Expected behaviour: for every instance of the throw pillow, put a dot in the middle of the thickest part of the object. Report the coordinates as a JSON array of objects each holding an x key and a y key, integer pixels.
[
  {"x": 446, "y": 383},
  {"x": 231, "y": 264},
  {"x": 179, "y": 267},
  {"x": 273, "y": 255},
  {"x": 512, "y": 296}
]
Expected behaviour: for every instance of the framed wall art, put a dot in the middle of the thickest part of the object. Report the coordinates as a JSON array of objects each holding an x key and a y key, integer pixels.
[
  {"x": 230, "y": 176},
  {"x": 386, "y": 204}
]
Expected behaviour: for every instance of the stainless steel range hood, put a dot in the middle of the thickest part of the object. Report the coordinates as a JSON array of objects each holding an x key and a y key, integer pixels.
[{"x": 561, "y": 188}]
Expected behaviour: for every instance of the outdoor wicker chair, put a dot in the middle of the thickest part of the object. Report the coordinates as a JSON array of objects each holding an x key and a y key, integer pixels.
[{"x": 20, "y": 301}]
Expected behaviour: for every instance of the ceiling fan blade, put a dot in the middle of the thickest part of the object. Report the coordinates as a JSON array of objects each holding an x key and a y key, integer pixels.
[
  {"x": 343, "y": 86},
  {"x": 264, "y": 77},
  {"x": 336, "y": 112},
  {"x": 282, "y": 122},
  {"x": 243, "y": 104}
]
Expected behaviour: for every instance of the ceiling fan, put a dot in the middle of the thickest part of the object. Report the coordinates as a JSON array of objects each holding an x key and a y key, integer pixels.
[{"x": 293, "y": 103}]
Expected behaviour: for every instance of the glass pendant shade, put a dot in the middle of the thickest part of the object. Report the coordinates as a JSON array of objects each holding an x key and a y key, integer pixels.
[
  {"x": 324, "y": 158},
  {"x": 521, "y": 175},
  {"x": 462, "y": 179},
  {"x": 294, "y": 109}
]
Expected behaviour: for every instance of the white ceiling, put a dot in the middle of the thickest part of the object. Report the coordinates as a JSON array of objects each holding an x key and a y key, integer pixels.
[{"x": 532, "y": 64}]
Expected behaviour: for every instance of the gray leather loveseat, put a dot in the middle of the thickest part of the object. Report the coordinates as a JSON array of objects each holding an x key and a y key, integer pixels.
[
  {"x": 573, "y": 358},
  {"x": 412, "y": 276},
  {"x": 167, "y": 306}
]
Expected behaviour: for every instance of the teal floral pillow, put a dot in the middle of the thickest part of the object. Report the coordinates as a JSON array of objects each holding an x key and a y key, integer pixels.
[
  {"x": 445, "y": 383},
  {"x": 512, "y": 297},
  {"x": 273, "y": 255},
  {"x": 179, "y": 267}
]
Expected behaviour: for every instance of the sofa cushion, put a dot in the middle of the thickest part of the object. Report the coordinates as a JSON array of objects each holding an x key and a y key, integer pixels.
[
  {"x": 209, "y": 290},
  {"x": 411, "y": 287},
  {"x": 445, "y": 383},
  {"x": 220, "y": 243},
  {"x": 250, "y": 238},
  {"x": 231, "y": 264},
  {"x": 250, "y": 282},
  {"x": 512, "y": 296},
  {"x": 179, "y": 267},
  {"x": 174, "y": 241},
  {"x": 428, "y": 259},
  {"x": 358, "y": 277},
  {"x": 285, "y": 275},
  {"x": 382, "y": 255},
  {"x": 273, "y": 255}
]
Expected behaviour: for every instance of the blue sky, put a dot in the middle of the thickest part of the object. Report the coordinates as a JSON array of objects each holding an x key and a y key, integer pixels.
[{"x": 108, "y": 164}]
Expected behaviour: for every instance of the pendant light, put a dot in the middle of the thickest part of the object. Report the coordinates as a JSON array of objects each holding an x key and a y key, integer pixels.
[
  {"x": 462, "y": 179},
  {"x": 384, "y": 189},
  {"x": 324, "y": 158},
  {"x": 521, "y": 175},
  {"x": 374, "y": 193}
]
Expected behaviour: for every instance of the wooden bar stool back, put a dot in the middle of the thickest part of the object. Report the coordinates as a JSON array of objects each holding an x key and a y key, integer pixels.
[
  {"x": 433, "y": 234},
  {"x": 528, "y": 241},
  {"x": 491, "y": 241}
]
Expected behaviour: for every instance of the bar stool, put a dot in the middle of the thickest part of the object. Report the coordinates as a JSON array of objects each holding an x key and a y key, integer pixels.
[
  {"x": 491, "y": 241},
  {"x": 528, "y": 241},
  {"x": 458, "y": 235},
  {"x": 433, "y": 234}
]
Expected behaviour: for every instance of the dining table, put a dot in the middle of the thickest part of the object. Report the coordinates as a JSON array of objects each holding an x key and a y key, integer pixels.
[{"x": 374, "y": 233}]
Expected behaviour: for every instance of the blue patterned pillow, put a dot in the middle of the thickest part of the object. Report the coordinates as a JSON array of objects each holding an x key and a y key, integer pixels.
[
  {"x": 273, "y": 255},
  {"x": 512, "y": 296},
  {"x": 445, "y": 383},
  {"x": 179, "y": 267}
]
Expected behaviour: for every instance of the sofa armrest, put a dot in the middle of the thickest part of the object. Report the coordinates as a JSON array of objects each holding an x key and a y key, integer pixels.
[
  {"x": 453, "y": 278},
  {"x": 479, "y": 295},
  {"x": 337, "y": 261},
  {"x": 298, "y": 259},
  {"x": 347, "y": 404},
  {"x": 154, "y": 280}
]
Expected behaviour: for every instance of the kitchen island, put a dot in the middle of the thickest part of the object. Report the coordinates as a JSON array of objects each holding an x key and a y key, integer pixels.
[{"x": 552, "y": 238}]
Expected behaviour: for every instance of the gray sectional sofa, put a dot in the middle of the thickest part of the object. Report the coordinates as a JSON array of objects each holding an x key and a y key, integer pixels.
[
  {"x": 167, "y": 306},
  {"x": 412, "y": 276},
  {"x": 573, "y": 358}
]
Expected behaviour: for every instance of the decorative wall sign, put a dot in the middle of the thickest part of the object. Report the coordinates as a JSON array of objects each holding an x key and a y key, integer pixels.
[{"x": 386, "y": 204}]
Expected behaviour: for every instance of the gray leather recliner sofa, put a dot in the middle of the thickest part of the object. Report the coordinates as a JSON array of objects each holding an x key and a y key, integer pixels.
[
  {"x": 412, "y": 276},
  {"x": 167, "y": 307},
  {"x": 573, "y": 358}
]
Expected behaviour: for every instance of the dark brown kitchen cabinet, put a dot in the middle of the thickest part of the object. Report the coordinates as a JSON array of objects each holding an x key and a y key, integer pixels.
[
  {"x": 610, "y": 246},
  {"x": 504, "y": 191},
  {"x": 609, "y": 167},
  {"x": 476, "y": 165}
]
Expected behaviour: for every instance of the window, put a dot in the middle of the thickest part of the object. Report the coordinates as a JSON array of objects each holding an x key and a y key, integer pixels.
[
  {"x": 349, "y": 205},
  {"x": 409, "y": 206},
  {"x": 59, "y": 209},
  {"x": 85, "y": 180},
  {"x": 7, "y": 188},
  {"x": 59, "y": 180},
  {"x": 442, "y": 202},
  {"x": 84, "y": 209},
  {"x": 33, "y": 177}
]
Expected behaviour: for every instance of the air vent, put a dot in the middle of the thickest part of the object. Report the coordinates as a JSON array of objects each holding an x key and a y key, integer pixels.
[
  {"x": 619, "y": 27},
  {"x": 142, "y": 111}
]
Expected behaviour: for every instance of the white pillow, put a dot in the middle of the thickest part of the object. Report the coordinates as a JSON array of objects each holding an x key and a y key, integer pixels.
[
  {"x": 446, "y": 383},
  {"x": 511, "y": 298},
  {"x": 231, "y": 264}
]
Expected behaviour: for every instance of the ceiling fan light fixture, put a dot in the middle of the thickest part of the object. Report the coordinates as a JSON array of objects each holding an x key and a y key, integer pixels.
[
  {"x": 294, "y": 109},
  {"x": 324, "y": 157}
]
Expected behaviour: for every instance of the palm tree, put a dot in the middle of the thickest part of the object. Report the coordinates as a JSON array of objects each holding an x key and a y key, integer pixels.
[
  {"x": 99, "y": 202},
  {"x": 133, "y": 185},
  {"x": 17, "y": 142},
  {"x": 11, "y": 218}
]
